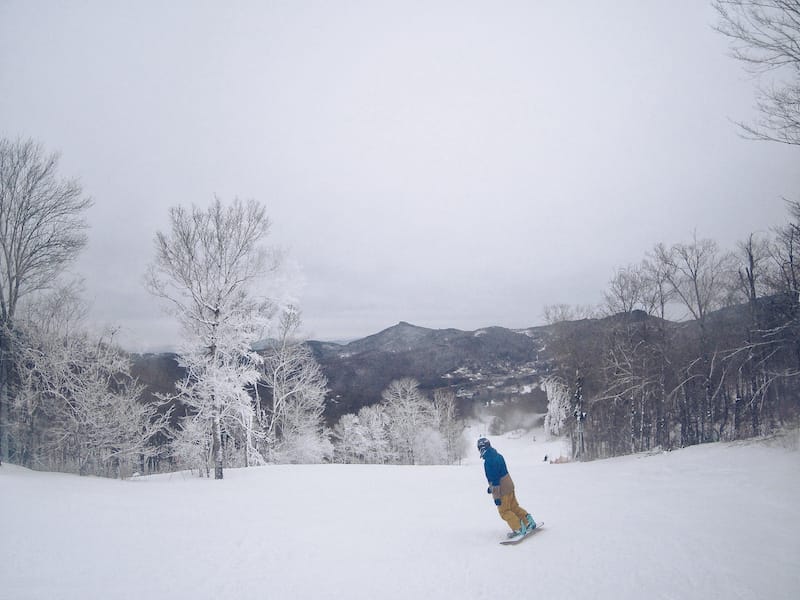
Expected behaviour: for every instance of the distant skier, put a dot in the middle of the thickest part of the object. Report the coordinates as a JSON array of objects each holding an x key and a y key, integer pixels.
[{"x": 501, "y": 487}]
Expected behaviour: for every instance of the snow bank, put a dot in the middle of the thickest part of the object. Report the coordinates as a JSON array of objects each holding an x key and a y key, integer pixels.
[{"x": 715, "y": 521}]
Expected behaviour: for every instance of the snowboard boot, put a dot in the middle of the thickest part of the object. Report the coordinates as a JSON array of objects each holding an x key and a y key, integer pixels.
[
  {"x": 517, "y": 532},
  {"x": 523, "y": 529},
  {"x": 531, "y": 525}
]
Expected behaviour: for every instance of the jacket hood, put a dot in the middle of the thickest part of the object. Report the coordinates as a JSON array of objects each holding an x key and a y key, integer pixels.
[{"x": 490, "y": 451}]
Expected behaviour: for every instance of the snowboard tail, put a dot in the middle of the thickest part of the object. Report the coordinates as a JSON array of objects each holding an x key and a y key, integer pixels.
[{"x": 518, "y": 538}]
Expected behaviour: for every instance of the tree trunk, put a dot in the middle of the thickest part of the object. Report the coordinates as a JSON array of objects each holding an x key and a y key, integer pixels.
[
  {"x": 5, "y": 395},
  {"x": 633, "y": 426},
  {"x": 4, "y": 399},
  {"x": 644, "y": 436},
  {"x": 754, "y": 410},
  {"x": 216, "y": 449},
  {"x": 737, "y": 412}
]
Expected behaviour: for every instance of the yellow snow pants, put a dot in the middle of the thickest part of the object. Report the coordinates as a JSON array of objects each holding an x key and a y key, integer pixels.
[{"x": 511, "y": 512}]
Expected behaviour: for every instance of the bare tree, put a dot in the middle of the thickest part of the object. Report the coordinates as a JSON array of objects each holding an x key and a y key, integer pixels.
[
  {"x": 656, "y": 292},
  {"x": 625, "y": 290},
  {"x": 557, "y": 313},
  {"x": 784, "y": 253},
  {"x": 751, "y": 256},
  {"x": 765, "y": 36},
  {"x": 208, "y": 268},
  {"x": 784, "y": 276},
  {"x": 41, "y": 232},
  {"x": 697, "y": 273},
  {"x": 698, "y": 380}
]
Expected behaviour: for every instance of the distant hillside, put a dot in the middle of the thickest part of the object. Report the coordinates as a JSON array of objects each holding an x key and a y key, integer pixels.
[
  {"x": 491, "y": 365},
  {"x": 479, "y": 366},
  {"x": 642, "y": 378}
]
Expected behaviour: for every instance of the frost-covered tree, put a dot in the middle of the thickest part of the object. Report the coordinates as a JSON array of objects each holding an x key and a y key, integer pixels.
[
  {"x": 191, "y": 445},
  {"x": 409, "y": 413},
  {"x": 417, "y": 427},
  {"x": 216, "y": 393},
  {"x": 405, "y": 428},
  {"x": 41, "y": 232},
  {"x": 77, "y": 407},
  {"x": 374, "y": 423},
  {"x": 347, "y": 440},
  {"x": 559, "y": 405},
  {"x": 430, "y": 447},
  {"x": 292, "y": 416},
  {"x": 209, "y": 267},
  {"x": 364, "y": 437},
  {"x": 446, "y": 422}
]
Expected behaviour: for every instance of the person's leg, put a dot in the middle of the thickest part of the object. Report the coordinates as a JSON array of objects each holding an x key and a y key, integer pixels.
[
  {"x": 518, "y": 510},
  {"x": 520, "y": 513},
  {"x": 507, "y": 512}
]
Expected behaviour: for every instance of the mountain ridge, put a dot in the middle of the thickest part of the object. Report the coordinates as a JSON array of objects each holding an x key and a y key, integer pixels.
[
  {"x": 470, "y": 363},
  {"x": 483, "y": 367}
]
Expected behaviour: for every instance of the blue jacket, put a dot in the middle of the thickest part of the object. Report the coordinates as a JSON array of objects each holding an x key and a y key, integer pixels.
[{"x": 495, "y": 466}]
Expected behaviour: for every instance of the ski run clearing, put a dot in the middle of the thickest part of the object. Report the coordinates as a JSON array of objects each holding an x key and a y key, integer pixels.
[{"x": 713, "y": 521}]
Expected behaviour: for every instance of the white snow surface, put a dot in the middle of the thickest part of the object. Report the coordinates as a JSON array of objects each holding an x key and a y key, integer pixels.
[{"x": 713, "y": 521}]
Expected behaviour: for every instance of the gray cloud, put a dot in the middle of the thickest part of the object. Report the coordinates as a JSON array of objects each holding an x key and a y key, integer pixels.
[{"x": 445, "y": 163}]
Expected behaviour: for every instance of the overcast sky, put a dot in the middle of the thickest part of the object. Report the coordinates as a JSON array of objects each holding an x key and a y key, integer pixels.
[{"x": 451, "y": 164}]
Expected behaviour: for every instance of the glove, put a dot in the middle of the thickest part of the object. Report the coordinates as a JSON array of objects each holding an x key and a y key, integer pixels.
[
  {"x": 489, "y": 490},
  {"x": 497, "y": 502}
]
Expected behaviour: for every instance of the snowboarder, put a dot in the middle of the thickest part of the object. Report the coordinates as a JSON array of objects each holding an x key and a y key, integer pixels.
[{"x": 501, "y": 487}]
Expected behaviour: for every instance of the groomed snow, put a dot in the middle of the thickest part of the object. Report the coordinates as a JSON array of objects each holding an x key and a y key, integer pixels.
[{"x": 714, "y": 521}]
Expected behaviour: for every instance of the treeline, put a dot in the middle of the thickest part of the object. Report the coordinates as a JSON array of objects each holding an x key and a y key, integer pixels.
[
  {"x": 406, "y": 427},
  {"x": 72, "y": 404},
  {"x": 729, "y": 370},
  {"x": 69, "y": 401}
]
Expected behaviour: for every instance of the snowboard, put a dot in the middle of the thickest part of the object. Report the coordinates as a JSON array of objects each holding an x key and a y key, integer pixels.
[{"x": 518, "y": 538}]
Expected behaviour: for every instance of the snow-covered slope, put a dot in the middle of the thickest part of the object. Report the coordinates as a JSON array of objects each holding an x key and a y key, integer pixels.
[{"x": 716, "y": 521}]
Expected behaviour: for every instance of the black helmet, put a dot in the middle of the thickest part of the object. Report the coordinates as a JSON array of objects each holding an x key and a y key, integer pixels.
[{"x": 483, "y": 444}]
